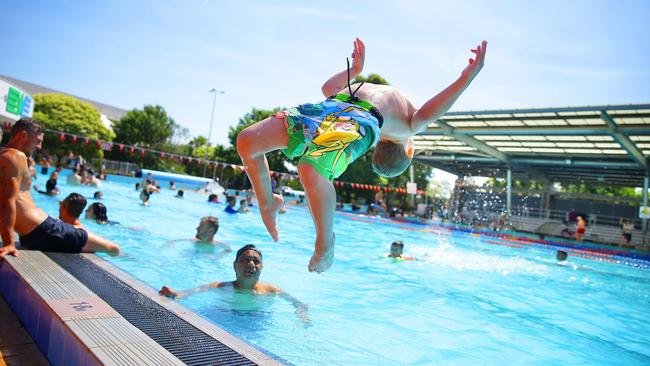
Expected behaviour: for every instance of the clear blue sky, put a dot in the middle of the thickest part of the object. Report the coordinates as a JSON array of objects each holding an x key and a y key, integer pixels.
[{"x": 278, "y": 53}]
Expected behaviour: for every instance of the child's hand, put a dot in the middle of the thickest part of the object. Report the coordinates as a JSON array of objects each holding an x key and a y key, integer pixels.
[
  {"x": 476, "y": 64},
  {"x": 358, "y": 57}
]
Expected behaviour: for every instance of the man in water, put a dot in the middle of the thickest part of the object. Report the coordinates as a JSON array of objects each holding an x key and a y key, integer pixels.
[
  {"x": 330, "y": 135},
  {"x": 397, "y": 252},
  {"x": 70, "y": 209},
  {"x": 248, "y": 268},
  {"x": 19, "y": 213}
]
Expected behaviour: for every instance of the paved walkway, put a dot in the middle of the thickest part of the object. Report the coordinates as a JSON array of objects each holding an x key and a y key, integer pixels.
[{"x": 16, "y": 346}]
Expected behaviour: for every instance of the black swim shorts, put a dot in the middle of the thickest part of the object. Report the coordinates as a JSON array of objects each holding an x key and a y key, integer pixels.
[{"x": 54, "y": 235}]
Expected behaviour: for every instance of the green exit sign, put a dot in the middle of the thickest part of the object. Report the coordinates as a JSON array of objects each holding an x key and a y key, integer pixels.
[{"x": 14, "y": 101}]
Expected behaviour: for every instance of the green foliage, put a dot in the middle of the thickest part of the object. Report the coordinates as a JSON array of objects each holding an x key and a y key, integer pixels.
[
  {"x": 69, "y": 114},
  {"x": 150, "y": 127},
  {"x": 276, "y": 159},
  {"x": 372, "y": 79},
  {"x": 602, "y": 189}
]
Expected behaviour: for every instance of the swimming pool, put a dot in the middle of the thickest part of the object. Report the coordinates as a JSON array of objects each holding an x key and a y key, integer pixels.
[{"x": 470, "y": 298}]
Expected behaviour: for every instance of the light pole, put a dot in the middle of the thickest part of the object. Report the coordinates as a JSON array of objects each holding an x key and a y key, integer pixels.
[{"x": 214, "y": 100}]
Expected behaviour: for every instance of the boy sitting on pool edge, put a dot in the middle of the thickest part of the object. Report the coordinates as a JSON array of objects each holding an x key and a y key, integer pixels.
[{"x": 330, "y": 135}]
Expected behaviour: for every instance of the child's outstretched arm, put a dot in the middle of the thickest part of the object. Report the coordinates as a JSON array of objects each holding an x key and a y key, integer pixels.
[
  {"x": 340, "y": 79},
  {"x": 435, "y": 107}
]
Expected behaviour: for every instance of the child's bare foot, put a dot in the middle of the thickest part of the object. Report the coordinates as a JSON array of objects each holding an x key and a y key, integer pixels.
[
  {"x": 270, "y": 216},
  {"x": 323, "y": 257}
]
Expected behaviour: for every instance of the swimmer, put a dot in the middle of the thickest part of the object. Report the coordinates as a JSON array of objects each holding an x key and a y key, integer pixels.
[
  {"x": 74, "y": 179},
  {"x": 70, "y": 209},
  {"x": 243, "y": 207},
  {"x": 98, "y": 195},
  {"x": 330, "y": 135},
  {"x": 232, "y": 201},
  {"x": 207, "y": 229},
  {"x": 172, "y": 186},
  {"x": 580, "y": 229},
  {"x": 213, "y": 198},
  {"x": 561, "y": 256},
  {"x": 180, "y": 193},
  {"x": 97, "y": 212},
  {"x": 50, "y": 185},
  {"x": 248, "y": 268},
  {"x": 397, "y": 252}
]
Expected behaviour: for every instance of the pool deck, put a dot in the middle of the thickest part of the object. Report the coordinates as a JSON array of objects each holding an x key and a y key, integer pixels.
[
  {"x": 16, "y": 346},
  {"x": 81, "y": 310}
]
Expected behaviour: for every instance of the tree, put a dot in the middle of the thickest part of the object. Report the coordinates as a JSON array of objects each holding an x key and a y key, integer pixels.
[
  {"x": 65, "y": 113},
  {"x": 276, "y": 159},
  {"x": 150, "y": 127},
  {"x": 372, "y": 79}
]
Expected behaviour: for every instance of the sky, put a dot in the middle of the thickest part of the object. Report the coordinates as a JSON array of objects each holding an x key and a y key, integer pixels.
[{"x": 267, "y": 54}]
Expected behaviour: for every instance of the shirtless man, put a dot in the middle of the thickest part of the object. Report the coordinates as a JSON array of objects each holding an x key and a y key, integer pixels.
[
  {"x": 330, "y": 135},
  {"x": 19, "y": 213},
  {"x": 248, "y": 268}
]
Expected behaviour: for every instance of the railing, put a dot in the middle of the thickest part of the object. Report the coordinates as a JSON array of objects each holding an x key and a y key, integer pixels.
[{"x": 118, "y": 167}]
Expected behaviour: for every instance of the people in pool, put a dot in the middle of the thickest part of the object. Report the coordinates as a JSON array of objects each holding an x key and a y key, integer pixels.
[
  {"x": 581, "y": 227},
  {"x": 207, "y": 229},
  {"x": 98, "y": 195},
  {"x": 248, "y": 266},
  {"x": 243, "y": 207},
  {"x": 330, "y": 135},
  {"x": 213, "y": 198},
  {"x": 50, "y": 185},
  {"x": 561, "y": 256},
  {"x": 230, "y": 208},
  {"x": 74, "y": 179},
  {"x": 180, "y": 193},
  {"x": 70, "y": 209},
  {"x": 172, "y": 185},
  {"x": 397, "y": 252},
  {"x": 18, "y": 211},
  {"x": 97, "y": 211}
]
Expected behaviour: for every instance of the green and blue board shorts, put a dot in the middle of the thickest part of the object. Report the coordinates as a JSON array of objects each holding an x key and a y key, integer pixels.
[{"x": 330, "y": 135}]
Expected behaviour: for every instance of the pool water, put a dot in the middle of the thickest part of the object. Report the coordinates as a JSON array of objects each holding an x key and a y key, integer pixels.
[{"x": 465, "y": 301}]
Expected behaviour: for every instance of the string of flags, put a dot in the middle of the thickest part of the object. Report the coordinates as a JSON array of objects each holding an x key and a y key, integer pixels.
[{"x": 184, "y": 159}]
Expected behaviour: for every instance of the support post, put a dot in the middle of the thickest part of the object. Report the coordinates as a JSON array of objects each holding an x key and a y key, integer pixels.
[
  {"x": 508, "y": 191},
  {"x": 644, "y": 222},
  {"x": 412, "y": 180}
]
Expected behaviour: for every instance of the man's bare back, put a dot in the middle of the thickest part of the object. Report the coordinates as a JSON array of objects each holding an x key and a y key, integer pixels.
[{"x": 13, "y": 164}]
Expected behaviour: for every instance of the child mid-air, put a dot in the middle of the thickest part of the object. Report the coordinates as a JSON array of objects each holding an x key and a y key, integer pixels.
[{"x": 330, "y": 135}]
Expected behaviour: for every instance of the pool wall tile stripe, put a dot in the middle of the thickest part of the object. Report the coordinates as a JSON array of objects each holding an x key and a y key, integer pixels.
[{"x": 59, "y": 313}]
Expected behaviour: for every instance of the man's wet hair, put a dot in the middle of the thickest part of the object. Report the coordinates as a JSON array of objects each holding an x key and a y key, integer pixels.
[
  {"x": 213, "y": 221},
  {"x": 245, "y": 248},
  {"x": 398, "y": 243},
  {"x": 74, "y": 204},
  {"x": 29, "y": 125},
  {"x": 390, "y": 159}
]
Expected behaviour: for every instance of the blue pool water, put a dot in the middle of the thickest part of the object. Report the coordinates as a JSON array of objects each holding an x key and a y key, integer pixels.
[{"x": 466, "y": 301}]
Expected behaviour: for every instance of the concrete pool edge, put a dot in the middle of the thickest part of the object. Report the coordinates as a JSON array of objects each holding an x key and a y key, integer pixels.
[
  {"x": 242, "y": 347},
  {"x": 69, "y": 324}
]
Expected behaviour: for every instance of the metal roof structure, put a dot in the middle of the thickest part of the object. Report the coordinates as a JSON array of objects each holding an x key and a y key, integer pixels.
[
  {"x": 111, "y": 112},
  {"x": 607, "y": 144}
]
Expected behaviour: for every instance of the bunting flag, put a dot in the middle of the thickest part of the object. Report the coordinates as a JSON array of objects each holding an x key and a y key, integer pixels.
[{"x": 107, "y": 146}]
